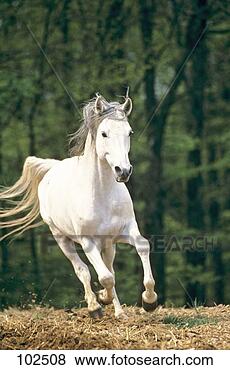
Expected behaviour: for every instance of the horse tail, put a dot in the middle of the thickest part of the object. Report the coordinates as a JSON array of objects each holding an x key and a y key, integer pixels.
[{"x": 23, "y": 197}]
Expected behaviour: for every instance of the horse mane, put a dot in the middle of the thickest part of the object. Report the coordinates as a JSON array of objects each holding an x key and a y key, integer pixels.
[{"x": 90, "y": 122}]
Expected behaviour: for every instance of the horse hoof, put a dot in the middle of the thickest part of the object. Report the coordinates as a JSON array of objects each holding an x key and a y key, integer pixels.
[
  {"x": 148, "y": 307},
  {"x": 96, "y": 314},
  {"x": 101, "y": 299},
  {"x": 121, "y": 316}
]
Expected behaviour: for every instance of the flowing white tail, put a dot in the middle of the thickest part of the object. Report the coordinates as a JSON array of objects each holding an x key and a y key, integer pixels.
[{"x": 23, "y": 196}]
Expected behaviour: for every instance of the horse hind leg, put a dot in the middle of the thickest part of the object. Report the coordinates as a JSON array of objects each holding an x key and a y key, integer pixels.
[
  {"x": 92, "y": 249},
  {"x": 81, "y": 269}
]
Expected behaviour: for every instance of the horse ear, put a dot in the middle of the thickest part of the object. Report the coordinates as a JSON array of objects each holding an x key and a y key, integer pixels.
[
  {"x": 127, "y": 106},
  {"x": 100, "y": 104}
]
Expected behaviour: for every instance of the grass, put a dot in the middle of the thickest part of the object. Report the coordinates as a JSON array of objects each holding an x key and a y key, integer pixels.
[{"x": 189, "y": 322}]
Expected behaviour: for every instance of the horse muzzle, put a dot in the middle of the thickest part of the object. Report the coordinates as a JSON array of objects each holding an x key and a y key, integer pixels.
[{"x": 123, "y": 174}]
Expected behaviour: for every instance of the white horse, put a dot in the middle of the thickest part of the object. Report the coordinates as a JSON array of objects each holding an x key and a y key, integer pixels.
[{"x": 83, "y": 199}]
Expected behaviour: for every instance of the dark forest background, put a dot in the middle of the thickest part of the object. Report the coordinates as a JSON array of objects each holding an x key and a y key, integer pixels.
[{"x": 174, "y": 56}]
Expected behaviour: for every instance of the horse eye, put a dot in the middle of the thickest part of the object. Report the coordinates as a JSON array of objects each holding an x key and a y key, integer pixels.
[
  {"x": 104, "y": 134},
  {"x": 131, "y": 132}
]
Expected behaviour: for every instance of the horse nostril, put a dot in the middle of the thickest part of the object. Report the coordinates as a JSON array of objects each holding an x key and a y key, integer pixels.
[
  {"x": 130, "y": 169},
  {"x": 118, "y": 170}
]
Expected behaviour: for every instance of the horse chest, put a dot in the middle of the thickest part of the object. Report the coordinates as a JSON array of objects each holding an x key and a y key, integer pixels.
[{"x": 107, "y": 219}]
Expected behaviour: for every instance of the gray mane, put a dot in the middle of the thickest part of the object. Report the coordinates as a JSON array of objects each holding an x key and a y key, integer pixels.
[{"x": 90, "y": 122}]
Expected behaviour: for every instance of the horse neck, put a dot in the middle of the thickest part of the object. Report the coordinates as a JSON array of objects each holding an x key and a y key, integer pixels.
[{"x": 100, "y": 173}]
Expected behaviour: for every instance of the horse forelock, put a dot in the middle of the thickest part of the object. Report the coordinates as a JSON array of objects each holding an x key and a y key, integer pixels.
[{"x": 91, "y": 121}]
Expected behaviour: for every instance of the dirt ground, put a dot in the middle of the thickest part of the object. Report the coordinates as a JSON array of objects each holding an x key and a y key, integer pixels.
[{"x": 165, "y": 328}]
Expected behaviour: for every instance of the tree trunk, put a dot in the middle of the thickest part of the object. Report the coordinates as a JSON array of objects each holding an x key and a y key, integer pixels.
[
  {"x": 196, "y": 87},
  {"x": 214, "y": 214},
  {"x": 32, "y": 141},
  {"x": 155, "y": 192},
  {"x": 40, "y": 84},
  {"x": 155, "y": 209},
  {"x": 4, "y": 247},
  {"x": 12, "y": 112},
  {"x": 111, "y": 32},
  {"x": 67, "y": 64}
]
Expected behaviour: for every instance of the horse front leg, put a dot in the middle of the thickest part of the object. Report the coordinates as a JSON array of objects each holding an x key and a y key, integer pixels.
[
  {"x": 133, "y": 237},
  {"x": 149, "y": 296}
]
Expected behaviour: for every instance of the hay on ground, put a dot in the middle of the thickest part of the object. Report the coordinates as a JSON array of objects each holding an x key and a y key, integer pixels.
[{"x": 165, "y": 328}]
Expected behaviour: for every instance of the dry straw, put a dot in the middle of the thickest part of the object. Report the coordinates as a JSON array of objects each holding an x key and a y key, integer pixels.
[{"x": 47, "y": 328}]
